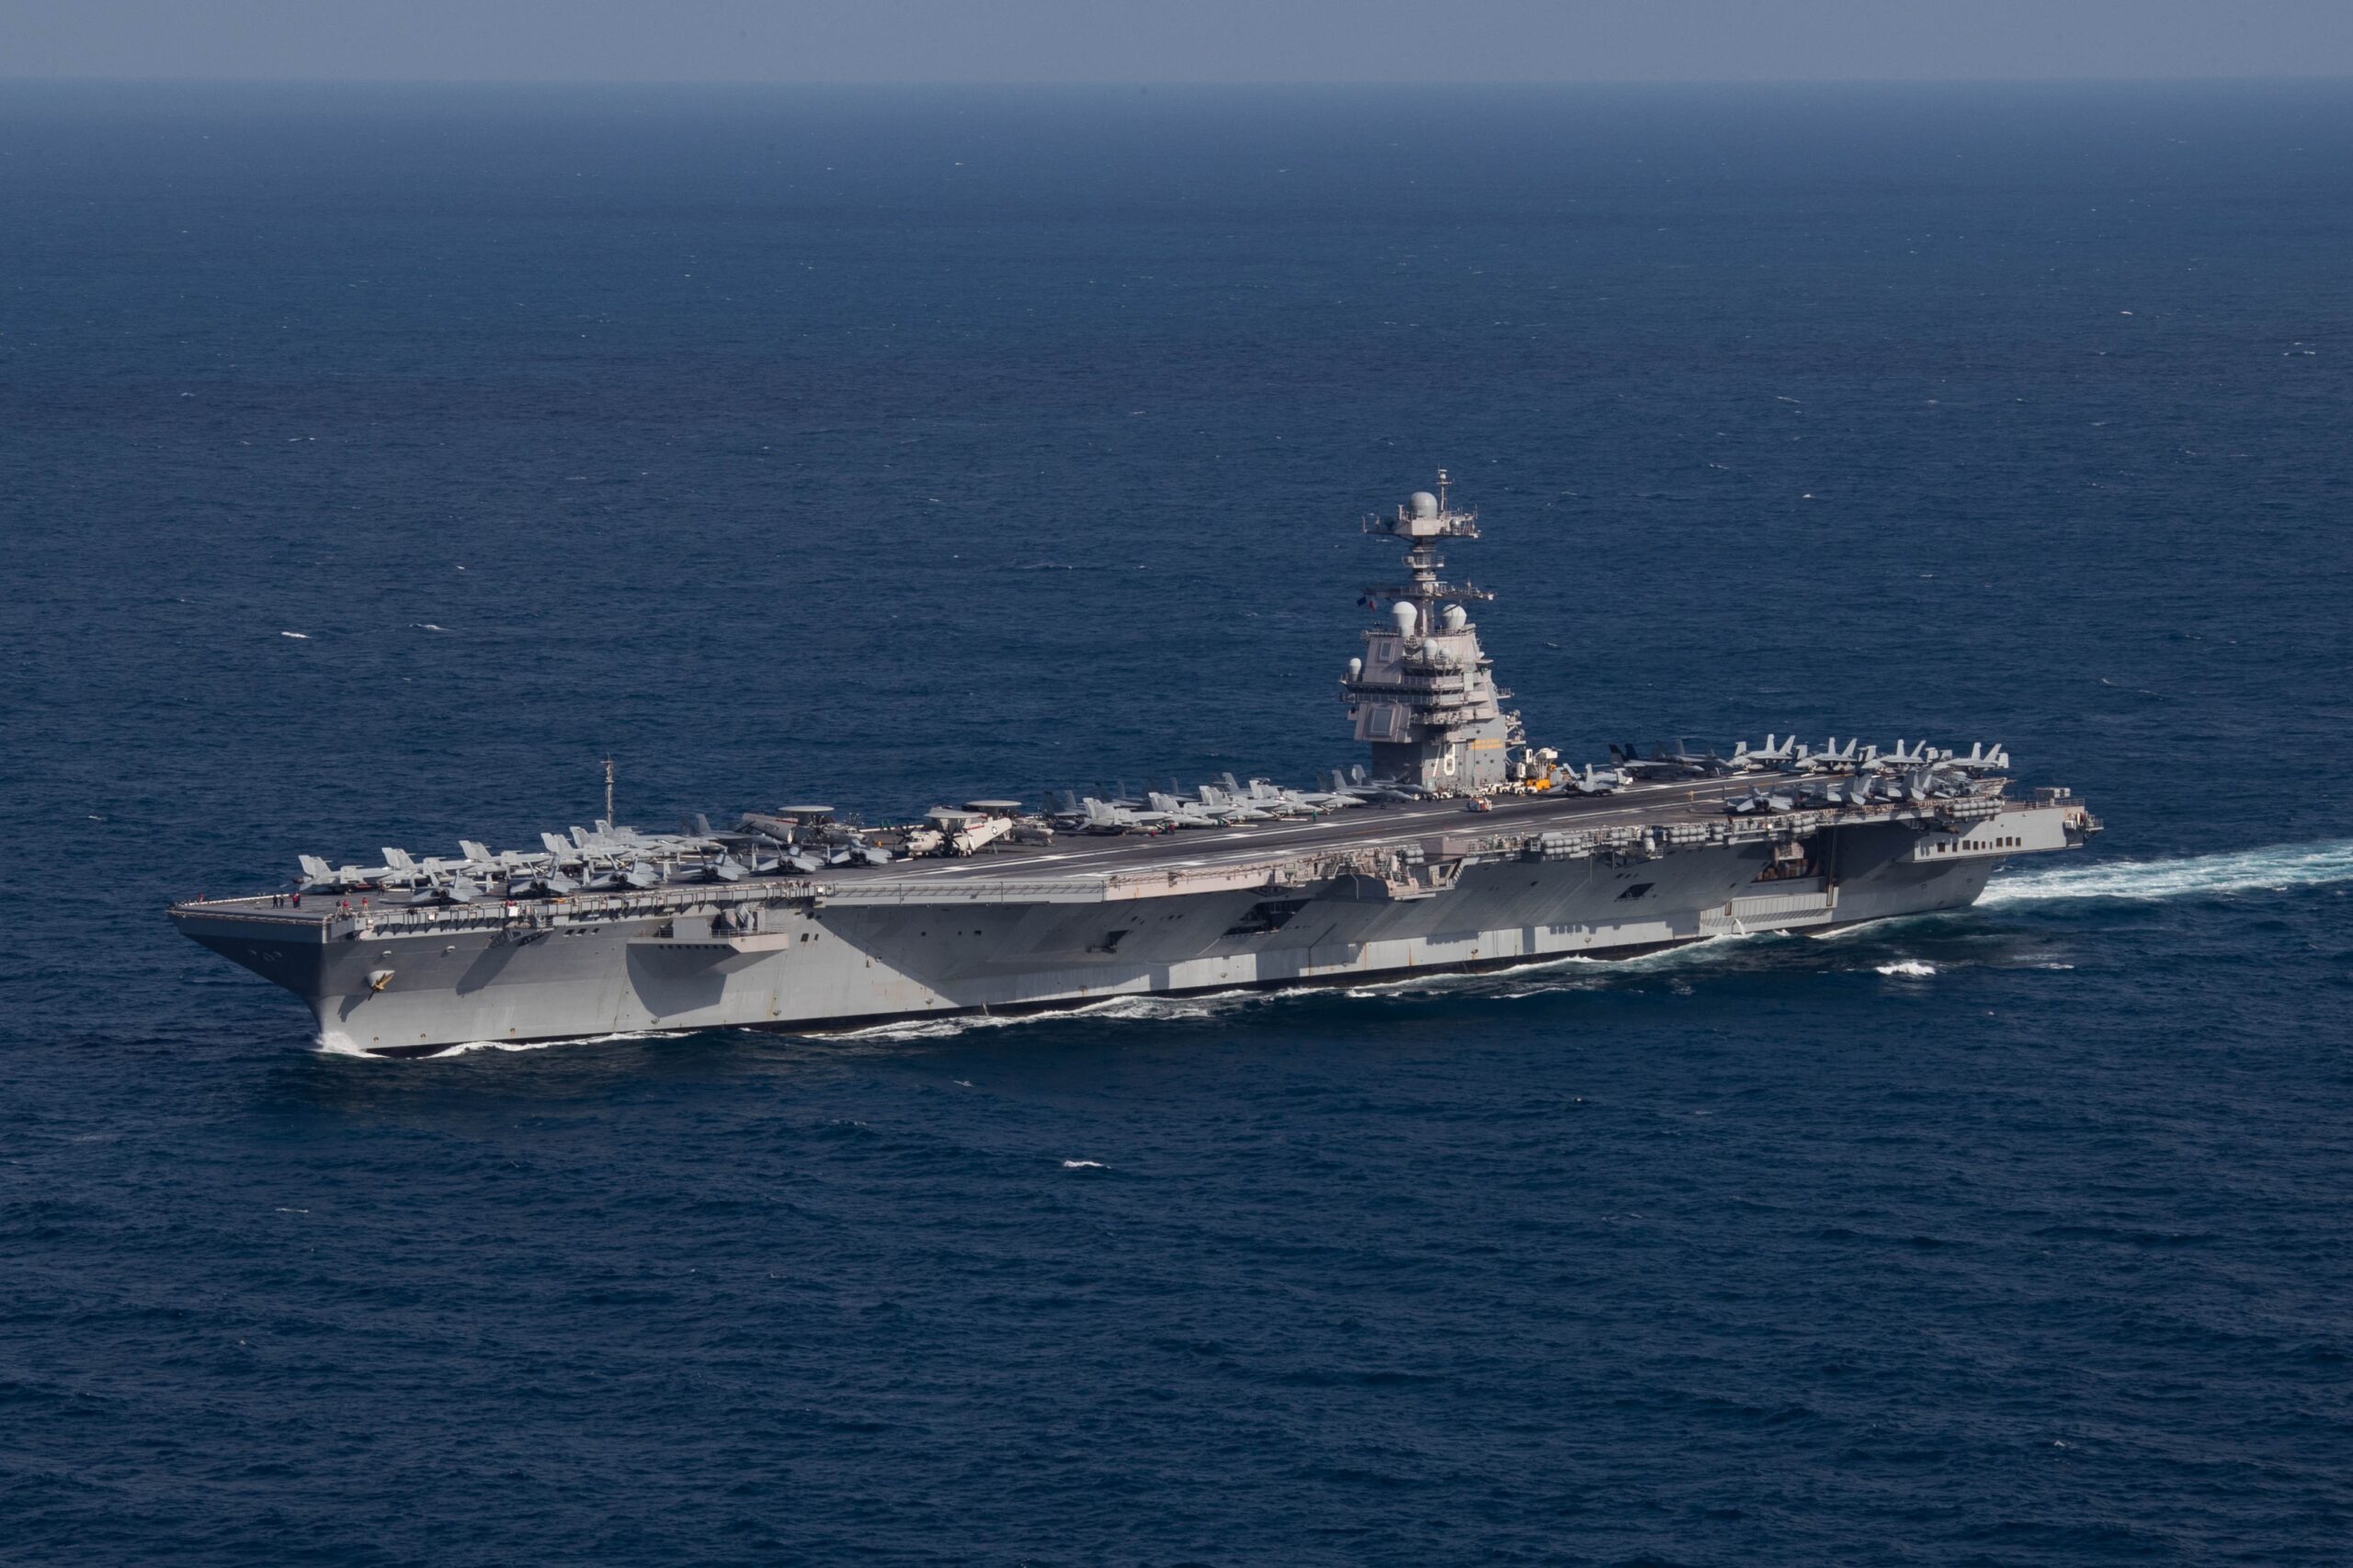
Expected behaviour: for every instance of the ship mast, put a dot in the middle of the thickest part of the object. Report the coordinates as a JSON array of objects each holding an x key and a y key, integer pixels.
[
  {"x": 1423, "y": 695},
  {"x": 1422, "y": 522}
]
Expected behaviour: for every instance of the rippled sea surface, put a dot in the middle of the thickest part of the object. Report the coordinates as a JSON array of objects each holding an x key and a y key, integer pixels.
[{"x": 378, "y": 460}]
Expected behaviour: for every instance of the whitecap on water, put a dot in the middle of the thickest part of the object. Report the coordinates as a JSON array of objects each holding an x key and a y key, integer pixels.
[{"x": 1909, "y": 967}]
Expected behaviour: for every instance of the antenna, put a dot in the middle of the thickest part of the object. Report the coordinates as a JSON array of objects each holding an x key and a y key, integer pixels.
[{"x": 609, "y": 789}]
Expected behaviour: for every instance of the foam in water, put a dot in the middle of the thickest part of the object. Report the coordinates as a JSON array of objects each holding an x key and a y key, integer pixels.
[
  {"x": 343, "y": 1045},
  {"x": 1910, "y": 969},
  {"x": 2246, "y": 870},
  {"x": 1117, "y": 1007}
]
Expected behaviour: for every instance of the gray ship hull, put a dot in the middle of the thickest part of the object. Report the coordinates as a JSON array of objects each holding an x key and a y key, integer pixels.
[
  {"x": 1230, "y": 888},
  {"x": 1421, "y": 889}
]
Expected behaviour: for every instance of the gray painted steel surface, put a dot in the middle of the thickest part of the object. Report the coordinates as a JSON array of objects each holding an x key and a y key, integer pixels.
[{"x": 519, "y": 949}]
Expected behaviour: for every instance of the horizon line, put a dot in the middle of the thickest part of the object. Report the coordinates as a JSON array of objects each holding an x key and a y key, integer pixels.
[{"x": 1391, "y": 84}]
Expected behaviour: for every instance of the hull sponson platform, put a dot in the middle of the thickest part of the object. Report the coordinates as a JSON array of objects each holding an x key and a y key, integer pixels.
[{"x": 1366, "y": 893}]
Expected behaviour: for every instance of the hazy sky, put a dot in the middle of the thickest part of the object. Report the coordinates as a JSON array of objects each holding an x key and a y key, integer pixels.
[{"x": 1173, "y": 40}]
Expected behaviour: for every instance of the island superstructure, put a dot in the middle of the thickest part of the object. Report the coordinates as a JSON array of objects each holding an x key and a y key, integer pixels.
[
  {"x": 1461, "y": 846},
  {"x": 1423, "y": 695}
]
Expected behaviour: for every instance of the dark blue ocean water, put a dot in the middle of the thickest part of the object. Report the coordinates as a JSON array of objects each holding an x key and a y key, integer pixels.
[{"x": 900, "y": 446}]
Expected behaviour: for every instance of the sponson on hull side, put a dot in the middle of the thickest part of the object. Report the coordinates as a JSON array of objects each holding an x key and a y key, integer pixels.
[{"x": 1467, "y": 849}]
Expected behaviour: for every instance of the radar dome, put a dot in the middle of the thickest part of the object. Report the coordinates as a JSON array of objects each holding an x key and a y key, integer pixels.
[
  {"x": 1404, "y": 616},
  {"x": 1422, "y": 504},
  {"x": 1454, "y": 617}
]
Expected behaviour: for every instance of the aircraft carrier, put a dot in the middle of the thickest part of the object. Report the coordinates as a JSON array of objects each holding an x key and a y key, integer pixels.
[{"x": 1455, "y": 845}]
